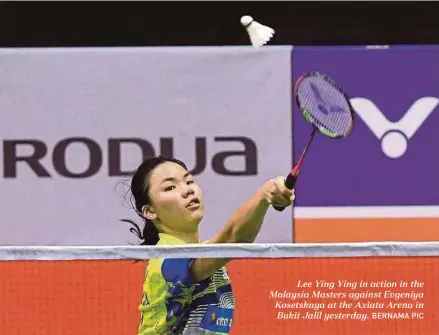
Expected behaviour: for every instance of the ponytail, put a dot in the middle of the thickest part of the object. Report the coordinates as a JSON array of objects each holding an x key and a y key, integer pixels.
[{"x": 149, "y": 235}]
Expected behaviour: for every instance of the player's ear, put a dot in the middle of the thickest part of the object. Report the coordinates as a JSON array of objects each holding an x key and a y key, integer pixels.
[{"x": 148, "y": 212}]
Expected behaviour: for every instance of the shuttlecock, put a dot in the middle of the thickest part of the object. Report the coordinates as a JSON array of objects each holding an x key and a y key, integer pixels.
[{"x": 259, "y": 34}]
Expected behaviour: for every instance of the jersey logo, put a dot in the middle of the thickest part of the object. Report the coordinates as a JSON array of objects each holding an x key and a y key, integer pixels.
[{"x": 217, "y": 319}]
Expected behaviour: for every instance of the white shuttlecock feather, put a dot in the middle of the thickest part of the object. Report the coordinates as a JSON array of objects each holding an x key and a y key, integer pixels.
[{"x": 259, "y": 34}]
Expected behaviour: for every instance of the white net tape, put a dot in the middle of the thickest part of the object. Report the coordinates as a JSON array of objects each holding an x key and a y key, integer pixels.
[{"x": 383, "y": 249}]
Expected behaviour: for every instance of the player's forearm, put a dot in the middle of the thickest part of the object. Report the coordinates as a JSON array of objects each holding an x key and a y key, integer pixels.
[
  {"x": 242, "y": 227},
  {"x": 246, "y": 222}
]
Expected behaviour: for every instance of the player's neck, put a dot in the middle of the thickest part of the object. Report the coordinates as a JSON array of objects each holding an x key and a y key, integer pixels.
[{"x": 188, "y": 237}]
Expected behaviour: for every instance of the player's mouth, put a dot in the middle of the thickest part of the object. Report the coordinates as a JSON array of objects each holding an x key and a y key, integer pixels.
[{"x": 194, "y": 203}]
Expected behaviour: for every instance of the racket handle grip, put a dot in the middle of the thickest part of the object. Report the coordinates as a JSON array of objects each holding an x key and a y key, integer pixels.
[{"x": 290, "y": 182}]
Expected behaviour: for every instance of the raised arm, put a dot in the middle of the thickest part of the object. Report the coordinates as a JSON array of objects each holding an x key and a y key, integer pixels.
[{"x": 245, "y": 224}]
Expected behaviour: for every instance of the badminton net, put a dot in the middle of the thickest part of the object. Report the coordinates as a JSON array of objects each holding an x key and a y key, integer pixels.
[{"x": 97, "y": 290}]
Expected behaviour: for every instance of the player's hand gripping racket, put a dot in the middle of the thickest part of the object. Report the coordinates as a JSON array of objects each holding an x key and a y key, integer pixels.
[{"x": 326, "y": 106}]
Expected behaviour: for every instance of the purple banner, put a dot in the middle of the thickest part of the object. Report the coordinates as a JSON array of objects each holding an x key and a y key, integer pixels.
[{"x": 391, "y": 158}]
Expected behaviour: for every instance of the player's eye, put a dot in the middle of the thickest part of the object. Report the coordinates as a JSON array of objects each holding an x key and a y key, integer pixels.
[
  {"x": 169, "y": 188},
  {"x": 189, "y": 182}
]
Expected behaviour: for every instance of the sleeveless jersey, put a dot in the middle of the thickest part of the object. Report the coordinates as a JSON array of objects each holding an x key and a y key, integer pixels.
[{"x": 173, "y": 303}]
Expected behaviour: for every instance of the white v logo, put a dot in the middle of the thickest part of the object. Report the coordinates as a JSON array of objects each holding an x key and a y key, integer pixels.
[
  {"x": 408, "y": 124},
  {"x": 394, "y": 135}
]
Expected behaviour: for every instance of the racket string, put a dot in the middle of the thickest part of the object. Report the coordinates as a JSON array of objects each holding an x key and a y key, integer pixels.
[{"x": 324, "y": 105}]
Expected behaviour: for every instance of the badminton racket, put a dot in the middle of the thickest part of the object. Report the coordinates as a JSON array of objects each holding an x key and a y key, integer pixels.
[{"x": 326, "y": 107}]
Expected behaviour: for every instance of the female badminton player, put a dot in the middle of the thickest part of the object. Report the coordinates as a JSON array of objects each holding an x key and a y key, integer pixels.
[{"x": 190, "y": 296}]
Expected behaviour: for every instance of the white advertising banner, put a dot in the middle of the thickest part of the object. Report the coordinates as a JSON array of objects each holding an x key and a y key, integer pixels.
[{"x": 77, "y": 122}]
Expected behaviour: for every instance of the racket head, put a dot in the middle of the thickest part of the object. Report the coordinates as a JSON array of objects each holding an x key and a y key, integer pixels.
[{"x": 324, "y": 104}]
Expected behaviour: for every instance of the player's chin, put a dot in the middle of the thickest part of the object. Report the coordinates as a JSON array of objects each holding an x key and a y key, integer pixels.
[{"x": 196, "y": 213}]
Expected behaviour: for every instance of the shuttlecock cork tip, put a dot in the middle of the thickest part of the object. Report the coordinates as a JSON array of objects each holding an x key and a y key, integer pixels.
[{"x": 246, "y": 20}]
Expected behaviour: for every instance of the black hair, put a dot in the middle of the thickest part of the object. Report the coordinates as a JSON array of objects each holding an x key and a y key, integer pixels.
[{"x": 140, "y": 192}]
